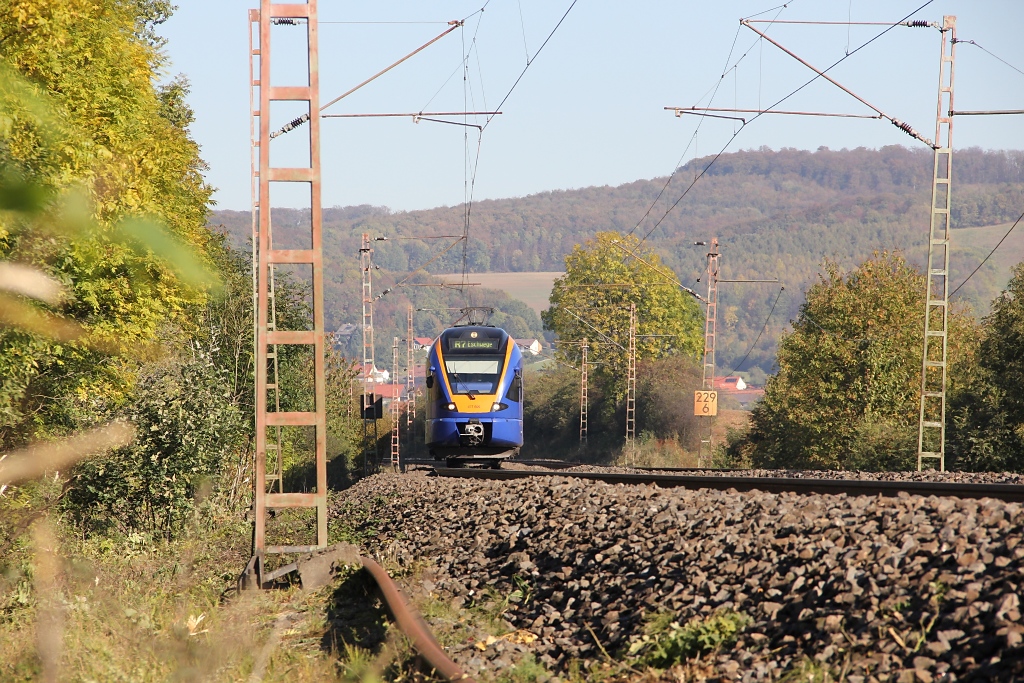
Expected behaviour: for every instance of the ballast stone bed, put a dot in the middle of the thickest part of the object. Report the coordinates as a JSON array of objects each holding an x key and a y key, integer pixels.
[
  {"x": 904, "y": 589},
  {"x": 926, "y": 475}
]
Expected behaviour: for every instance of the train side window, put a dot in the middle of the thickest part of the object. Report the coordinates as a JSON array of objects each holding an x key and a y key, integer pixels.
[{"x": 515, "y": 388}]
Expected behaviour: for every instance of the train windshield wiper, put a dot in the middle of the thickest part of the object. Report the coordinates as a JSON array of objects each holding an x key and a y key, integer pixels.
[{"x": 458, "y": 380}]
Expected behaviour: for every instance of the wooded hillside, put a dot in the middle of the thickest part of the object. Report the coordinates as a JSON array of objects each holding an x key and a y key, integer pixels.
[{"x": 775, "y": 213}]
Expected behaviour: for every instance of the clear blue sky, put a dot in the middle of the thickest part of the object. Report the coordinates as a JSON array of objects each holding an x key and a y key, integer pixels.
[{"x": 589, "y": 111}]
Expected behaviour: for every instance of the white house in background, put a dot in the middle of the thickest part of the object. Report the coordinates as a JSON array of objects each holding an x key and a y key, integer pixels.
[
  {"x": 729, "y": 383},
  {"x": 376, "y": 375},
  {"x": 531, "y": 345},
  {"x": 422, "y": 343}
]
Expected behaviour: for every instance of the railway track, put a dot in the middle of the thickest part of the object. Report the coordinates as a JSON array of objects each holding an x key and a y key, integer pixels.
[
  {"x": 666, "y": 478},
  {"x": 811, "y": 573}
]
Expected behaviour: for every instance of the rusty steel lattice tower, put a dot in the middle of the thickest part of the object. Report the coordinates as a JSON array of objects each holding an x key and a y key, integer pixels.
[
  {"x": 931, "y": 433},
  {"x": 396, "y": 407},
  {"x": 631, "y": 384},
  {"x": 710, "y": 334},
  {"x": 368, "y": 365},
  {"x": 584, "y": 396},
  {"x": 410, "y": 381},
  {"x": 268, "y": 256}
]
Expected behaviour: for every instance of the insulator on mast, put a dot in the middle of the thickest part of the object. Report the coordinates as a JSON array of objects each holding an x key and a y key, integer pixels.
[{"x": 294, "y": 123}]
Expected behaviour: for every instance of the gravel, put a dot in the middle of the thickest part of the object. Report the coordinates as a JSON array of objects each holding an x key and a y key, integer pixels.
[
  {"x": 909, "y": 589},
  {"x": 927, "y": 475}
]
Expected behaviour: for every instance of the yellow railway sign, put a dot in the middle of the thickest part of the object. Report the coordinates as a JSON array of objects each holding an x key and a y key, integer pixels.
[{"x": 705, "y": 403}]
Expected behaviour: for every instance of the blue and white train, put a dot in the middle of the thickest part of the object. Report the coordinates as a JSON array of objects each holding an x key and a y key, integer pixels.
[{"x": 474, "y": 395}]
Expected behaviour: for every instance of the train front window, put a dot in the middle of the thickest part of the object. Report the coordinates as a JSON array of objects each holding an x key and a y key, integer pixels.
[{"x": 477, "y": 375}]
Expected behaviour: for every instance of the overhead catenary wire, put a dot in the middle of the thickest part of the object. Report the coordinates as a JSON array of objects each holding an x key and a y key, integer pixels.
[
  {"x": 561, "y": 362},
  {"x": 470, "y": 179},
  {"x": 454, "y": 24},
  {"x": 971, "y": 42},
  {"x": 531, "y": 60},
  {"x": 838, "y": 336},
  {"x": 989, "y": 255},
  {"x": 902, "y": 125},
  {"x": 713, "y": 90},
  {"x": 662, "y": 271},
  {"x": 458, "y": 238},
  {"x": 402, "y": 282},
  {"x": 606, "y": 337},
  {"x": 522, "y": 25},
  {"x": 777, "y": 103},
  {"x": 758, "y": 338},
  {"x": 462, "y": 62}
]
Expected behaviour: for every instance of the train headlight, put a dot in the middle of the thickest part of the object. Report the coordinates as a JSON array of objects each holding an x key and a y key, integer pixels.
[
  {"x": 451, "y": 407},
  {"x": 498, "y": 406}
]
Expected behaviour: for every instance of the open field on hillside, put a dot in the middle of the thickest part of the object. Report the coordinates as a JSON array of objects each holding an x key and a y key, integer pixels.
[
  {"x": 531, "y": 288},
  {"x": 534, "y": 288},
  {"x": 983, "y": 239}
]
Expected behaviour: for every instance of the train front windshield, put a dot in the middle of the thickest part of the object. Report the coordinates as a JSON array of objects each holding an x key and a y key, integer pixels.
[
  {"x": 474, "y": 358},
  {"x": 479, "y": 375}
]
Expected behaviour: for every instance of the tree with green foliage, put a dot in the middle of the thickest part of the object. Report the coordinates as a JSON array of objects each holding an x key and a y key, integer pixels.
[
  {"x": 986, "y": 421},
  {"x": 592, "y": 301},
  {"x": 846, "y": 394},
  {"x": 82, "y": 121}
]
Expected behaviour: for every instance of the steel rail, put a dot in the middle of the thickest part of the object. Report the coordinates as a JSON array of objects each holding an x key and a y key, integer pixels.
[
  {"x": 409, "y": 621},
  {"x": 412, "y": 625},
  {"x": 853, "y": 487}
]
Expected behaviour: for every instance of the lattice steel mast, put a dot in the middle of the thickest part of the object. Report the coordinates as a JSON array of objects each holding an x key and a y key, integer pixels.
[
  {"x": 584, "y": 396},
  {"x": 631, "y": 384},
  {"x": 396, "y": 406},
  {"x": 931, "y": 433},
  {"x": 267, "y": 257},
  {"x": 710, "y": 334},
  {"x": 367, "y": 401},
  {"x": 410, "y": 381}
]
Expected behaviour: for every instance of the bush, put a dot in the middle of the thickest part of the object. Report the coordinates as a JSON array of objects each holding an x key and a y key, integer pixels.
[
  {"x": 665, "y": 400},
  {"x": 846, "y": 394},
  {"x": 986, "y": 419},
  {"x": 186, "y": 427}
]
